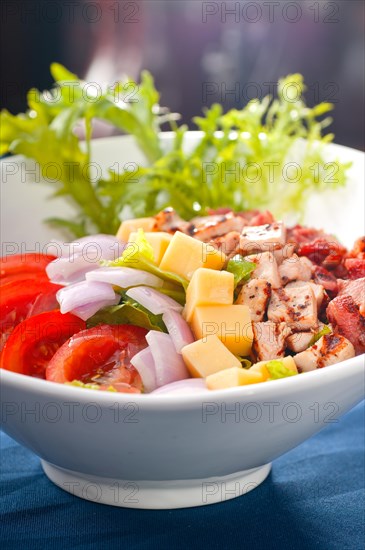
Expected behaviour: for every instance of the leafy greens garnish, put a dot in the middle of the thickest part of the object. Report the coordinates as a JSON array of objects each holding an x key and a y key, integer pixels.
[
  {"x": 277, "y": 370},
  {"x": 139, "y": 255},
  {"x": 241, "y": 161},
  {"x": 241, "y": 269},
  {"x": 129, "y": 313},
  {"x": 325, "y": 330}
]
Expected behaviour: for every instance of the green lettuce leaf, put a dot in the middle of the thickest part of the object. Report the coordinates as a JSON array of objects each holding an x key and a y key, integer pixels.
[
  {"x": 128, "y": 313},
  {"x": 79, "y": 384},
  {"x": 241, "y": 161},
  {"x": 139, "y": 255},
  {"x": 325, "y": 330},
  {"x": 241, "y": 269},
  {"x": 277, "y": 370}
]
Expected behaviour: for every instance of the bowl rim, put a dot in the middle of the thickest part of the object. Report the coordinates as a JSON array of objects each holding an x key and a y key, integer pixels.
[{"x": 259, "y": 391}]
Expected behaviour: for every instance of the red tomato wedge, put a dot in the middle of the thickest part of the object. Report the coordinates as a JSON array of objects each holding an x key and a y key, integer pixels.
[
  {"x": 100, "y": 355},
  {"x": 22, "y": 298},
  {"x": 34, "y": 342},
  {"x": 23, "y": 266}
]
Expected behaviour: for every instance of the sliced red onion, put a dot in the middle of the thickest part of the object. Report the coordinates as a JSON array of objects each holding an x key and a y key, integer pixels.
[
  {"x": 88, "y": 310},
  {"x": 183, "y": 387},
  {"x": 85, "y": 293},
  {"x": 153, "y": 300},
  {"x": 95, "y": 248},
  {"x": 124, "y": 277},
  {"x": 144, "y": 363},
  {"x": 67, "y": 271},
  {"x": 82, "y": 256},
  {"x": 178, "y": 329},
  {"x": 169, "y": 365}
]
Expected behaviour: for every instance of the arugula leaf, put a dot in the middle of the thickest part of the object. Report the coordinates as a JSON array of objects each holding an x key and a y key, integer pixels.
[
  {"x": 243, "y": 157},
  {"x": 130, "y": 313},
  {"x": 325, "y": 330},
  {"x": 46, "y": 133},
  {"x": 277, "y": 370},
  {"x": 240, "y": 161},
  {"x": 241, "y": 269}
]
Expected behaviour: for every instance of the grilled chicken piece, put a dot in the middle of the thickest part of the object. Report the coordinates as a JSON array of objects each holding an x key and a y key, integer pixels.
[
  {"x": 295, "y": 306},
  {"x": 344, "y": 314},
  {"x": 295, "y": 269},
  {"x": 299, "y": 341},
  {"x": 228, "y": 244},
  {"x": 284, "y": 253},
  {"x": 330, "y": 349},
  {"x": 256, "y": 295},
  {"x": 207, "y": 227},
  {"x": 318, "y": 290},
  {"x": 355, "y": 289},
  {"x": 168, "y": 220},
  {"x": 262, "y": 238},
  {"x": 267, "y": 268},
  {"x": 269, "y": 340}
]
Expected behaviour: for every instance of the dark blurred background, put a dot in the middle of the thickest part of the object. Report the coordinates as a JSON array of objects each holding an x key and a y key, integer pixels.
[{"x": 199, "y": 52}]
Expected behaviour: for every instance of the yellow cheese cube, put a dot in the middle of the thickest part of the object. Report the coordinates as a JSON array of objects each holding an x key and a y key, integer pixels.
[
  {"x": 205, "y": 357},
  {"x": 208, "y": 287},
  {"x": 129, "y": 226},
  {"x": 185, "y": 254},
  {"x": 231, "y": 378},
  {"x": 260, "y": 367},
  {"x": 231, "y": 323},
  {"x": 159, "y": 240}
]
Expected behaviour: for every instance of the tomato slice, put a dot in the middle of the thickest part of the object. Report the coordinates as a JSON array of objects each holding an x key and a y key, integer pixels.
[
  {"x": 22, "y": 298},
  {"x": 34, "y": 342},
  {"x": 100, "y": 355},
  {"x": 23, "y": 265}
]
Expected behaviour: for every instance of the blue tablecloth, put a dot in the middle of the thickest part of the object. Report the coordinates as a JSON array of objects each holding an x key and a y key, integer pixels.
[{"x": 313, "y": 499}]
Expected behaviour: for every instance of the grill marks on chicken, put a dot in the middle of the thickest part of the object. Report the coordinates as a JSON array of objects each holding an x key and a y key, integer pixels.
[
  {"x": 267, "y": 268},
  {"x": 269, "y": 340},
  {"x": 209, "y": 227},
  {"x": 330, "y": 349},
  {"x": 297, "y": 307},
  {"x": 296, "y": 281},
  {"x": 256, "y": 295}
]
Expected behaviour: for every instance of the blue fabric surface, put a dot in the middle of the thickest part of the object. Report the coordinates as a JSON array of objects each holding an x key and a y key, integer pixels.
[{"x": 313, "y": 499}]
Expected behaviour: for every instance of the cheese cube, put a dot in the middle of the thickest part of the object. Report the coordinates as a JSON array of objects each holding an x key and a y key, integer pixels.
[
  {"x": 260, "y": 367},
  {"x": 207, "y": 356},
  {"x": 159, "y": 240},
  {"x": 208, "y": 287},
  {"x": 129, "y": 226},
  {"x": 231, "y": 323},
  {"x": 231, "y": 378},
  {"x": 185, "y": 254}
]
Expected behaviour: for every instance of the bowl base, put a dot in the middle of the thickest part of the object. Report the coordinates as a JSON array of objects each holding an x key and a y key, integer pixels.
[{"x": 157, "y": 495}]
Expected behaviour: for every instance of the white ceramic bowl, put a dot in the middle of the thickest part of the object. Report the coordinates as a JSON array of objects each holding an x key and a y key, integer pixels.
[{"x": 169, "y": 451}]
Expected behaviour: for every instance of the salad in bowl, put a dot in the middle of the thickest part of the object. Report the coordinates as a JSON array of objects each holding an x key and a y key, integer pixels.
[
  {"x": 197, "y": 322},
  {"x": 224, "y": 300}
]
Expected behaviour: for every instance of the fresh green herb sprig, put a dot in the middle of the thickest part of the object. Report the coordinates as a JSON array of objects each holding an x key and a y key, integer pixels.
[{"x": 246, "y": 159}]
